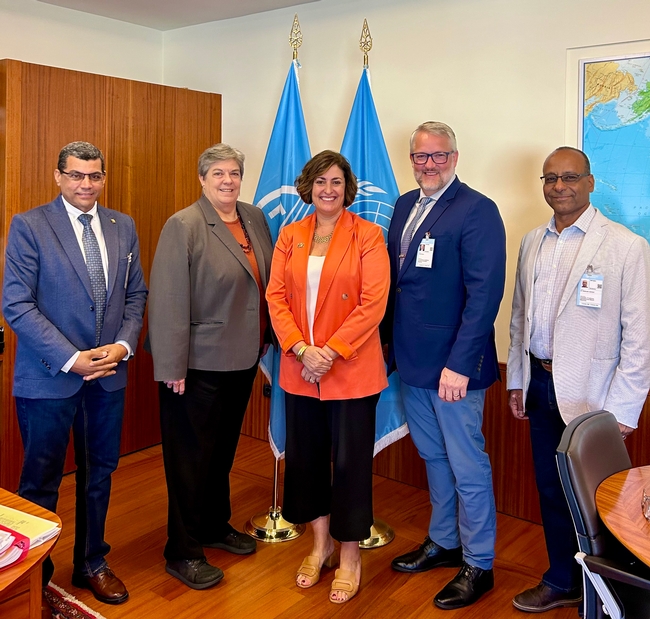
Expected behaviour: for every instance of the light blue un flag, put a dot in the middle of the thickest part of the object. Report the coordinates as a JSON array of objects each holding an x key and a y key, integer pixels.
[
  {"x": 276, "y": 195},
  {"x": 365, "y": 149}
]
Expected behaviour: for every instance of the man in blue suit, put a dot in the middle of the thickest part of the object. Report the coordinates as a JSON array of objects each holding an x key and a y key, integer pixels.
[
  {"x": 447, "y": 250},
  {"x": 74, "y": 294}
]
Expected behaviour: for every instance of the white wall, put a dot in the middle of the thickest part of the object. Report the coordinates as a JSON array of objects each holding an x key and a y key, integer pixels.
[
  {"x": 46, "y": 34},
  {"x": 495, "y": 70}
]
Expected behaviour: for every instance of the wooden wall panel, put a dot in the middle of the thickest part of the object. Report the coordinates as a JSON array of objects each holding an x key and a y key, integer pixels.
[
  {"x": 198, "y": 126},
  {"x": 57, "y": 107},
  {"x": 256, "y": 419},
  {"x": 151, "y": 138},
  {"x": 10, "y": 156}
]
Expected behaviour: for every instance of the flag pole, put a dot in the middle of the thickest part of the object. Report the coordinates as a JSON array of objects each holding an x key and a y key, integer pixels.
[
  {"x": 270, "y": 526},
  {"x": 381, "y": 533}
]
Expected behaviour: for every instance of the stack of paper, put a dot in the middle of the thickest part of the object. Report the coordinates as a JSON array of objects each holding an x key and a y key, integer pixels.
[{"x": 37, "y": 530}]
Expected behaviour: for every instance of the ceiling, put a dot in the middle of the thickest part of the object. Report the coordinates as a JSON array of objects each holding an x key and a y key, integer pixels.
[{"x": 170, "y": 14}]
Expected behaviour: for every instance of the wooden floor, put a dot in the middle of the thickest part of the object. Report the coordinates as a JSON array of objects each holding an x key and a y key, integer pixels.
[{"x": 261, "y": 585}]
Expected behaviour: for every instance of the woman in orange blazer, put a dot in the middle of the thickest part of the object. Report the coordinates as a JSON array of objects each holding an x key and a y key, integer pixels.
[{"x": 327, "y": 294}]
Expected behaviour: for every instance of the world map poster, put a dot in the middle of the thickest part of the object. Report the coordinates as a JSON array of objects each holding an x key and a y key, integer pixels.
[{"x": 615, "y": 134}]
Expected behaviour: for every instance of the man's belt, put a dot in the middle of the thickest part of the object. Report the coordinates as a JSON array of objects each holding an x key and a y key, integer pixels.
[{"x": 545, "y": 364}]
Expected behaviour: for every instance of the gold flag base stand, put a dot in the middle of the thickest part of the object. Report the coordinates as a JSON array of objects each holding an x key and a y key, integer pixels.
[
  {"x": 380, "y": 534},
  {"x": 270, "y": 526}
]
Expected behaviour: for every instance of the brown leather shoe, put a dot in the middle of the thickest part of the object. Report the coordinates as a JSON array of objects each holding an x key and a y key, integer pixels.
[
  {"x": 541, "y": 598},
  {"x": 104, "y": 585}
]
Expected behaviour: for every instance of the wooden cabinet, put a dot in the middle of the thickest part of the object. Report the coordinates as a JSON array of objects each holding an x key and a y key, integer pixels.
[{"x": 151, "y": 136}]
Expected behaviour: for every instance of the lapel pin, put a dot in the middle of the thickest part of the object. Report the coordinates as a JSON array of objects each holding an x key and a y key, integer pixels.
[
  {"x": 344, "y": 296},
  {"x": 301, "y": 245},
  {"x": 112, "y": 220}
]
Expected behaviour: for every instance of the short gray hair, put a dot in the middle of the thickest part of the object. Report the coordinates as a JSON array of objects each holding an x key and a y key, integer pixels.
[
  {"x": 80, "y": 150},
  {"x": 433, "y": 127},
  {"x": 220, "y": 152}
]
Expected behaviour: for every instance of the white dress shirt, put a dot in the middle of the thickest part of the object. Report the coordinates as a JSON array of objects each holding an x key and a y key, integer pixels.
[
  {"x": 78, "y": 227},
  {"x": 557, "y": 253}
]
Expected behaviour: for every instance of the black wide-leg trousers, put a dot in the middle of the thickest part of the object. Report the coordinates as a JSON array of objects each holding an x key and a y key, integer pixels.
[{"x": 329, "y": 463}]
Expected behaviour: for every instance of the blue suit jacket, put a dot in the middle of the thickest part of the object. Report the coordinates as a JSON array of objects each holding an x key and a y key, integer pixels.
[
  {"x": 48, "y": 300},
  {"x": 444, "y": 316}
]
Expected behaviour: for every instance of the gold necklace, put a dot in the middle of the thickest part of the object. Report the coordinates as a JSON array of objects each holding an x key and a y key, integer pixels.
[{"x": 323, "y": 239}]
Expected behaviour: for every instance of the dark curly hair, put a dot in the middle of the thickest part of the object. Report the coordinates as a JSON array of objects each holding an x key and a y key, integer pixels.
[{"x": 317, "y": 166}]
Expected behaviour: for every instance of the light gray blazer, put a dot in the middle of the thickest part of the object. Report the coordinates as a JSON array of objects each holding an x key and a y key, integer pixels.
[
  {"x": 204, "y": 302},
  {"x": 601, "y": 356}
]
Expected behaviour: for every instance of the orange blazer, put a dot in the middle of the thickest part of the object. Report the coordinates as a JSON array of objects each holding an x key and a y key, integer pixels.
[{"x": 351, "y": 302}]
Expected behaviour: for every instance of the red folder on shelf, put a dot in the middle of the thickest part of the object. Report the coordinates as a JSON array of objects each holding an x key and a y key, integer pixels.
[{"x": 13, "y": 547}]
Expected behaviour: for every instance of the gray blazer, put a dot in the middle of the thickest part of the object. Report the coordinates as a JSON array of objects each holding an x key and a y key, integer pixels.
[
  {"x": 204, "y": 301},
  {"x": 601, "y": 356}
]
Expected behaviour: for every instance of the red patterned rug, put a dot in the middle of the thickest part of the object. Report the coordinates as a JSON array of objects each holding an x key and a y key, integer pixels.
[{"x": 66, "y": 606}]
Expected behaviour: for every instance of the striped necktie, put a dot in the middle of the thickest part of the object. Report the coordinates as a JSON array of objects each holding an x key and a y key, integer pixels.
[
  {"x": 96, "y": 272},
  {"x": 410, "y": 230}
]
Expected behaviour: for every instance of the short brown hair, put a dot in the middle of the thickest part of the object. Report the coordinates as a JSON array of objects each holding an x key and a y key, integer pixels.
[{"x": 318, "y": 165}]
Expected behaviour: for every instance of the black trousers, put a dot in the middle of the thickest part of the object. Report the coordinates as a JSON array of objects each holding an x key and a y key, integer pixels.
[
  {"x": 546, "y": 429},
  {"x": 200, "y": 432},
  {"x": 320, "y": 433}
]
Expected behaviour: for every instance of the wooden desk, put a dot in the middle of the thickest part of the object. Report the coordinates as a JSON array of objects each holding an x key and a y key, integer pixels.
[
  {"x": 27, "y": 575},
  {"x": 618, "y": 500}
]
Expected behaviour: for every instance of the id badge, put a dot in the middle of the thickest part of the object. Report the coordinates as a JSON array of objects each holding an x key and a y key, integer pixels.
[
  {"x": 590, "y": 290},
  {"x": 425, "y": 252}
]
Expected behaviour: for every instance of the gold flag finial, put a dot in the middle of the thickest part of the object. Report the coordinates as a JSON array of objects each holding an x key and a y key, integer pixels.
[
  {"x": 295, "y": 38},
  {"x": 365, "y": 42}
]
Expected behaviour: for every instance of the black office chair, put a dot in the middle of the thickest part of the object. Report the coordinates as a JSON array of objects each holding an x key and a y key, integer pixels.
[{"x": 615, "y": 582}]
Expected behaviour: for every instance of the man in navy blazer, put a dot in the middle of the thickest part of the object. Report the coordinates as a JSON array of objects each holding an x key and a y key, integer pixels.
[
  {"x": 74, "y": 294},
  {"x": 447, "y": 250}
]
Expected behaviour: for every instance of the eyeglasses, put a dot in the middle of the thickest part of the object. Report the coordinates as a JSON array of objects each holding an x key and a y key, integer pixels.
[
  {"x": 94, "y": 177},
  {"x": 567, "y": 179},
  {"x": 422, "y": 158}
]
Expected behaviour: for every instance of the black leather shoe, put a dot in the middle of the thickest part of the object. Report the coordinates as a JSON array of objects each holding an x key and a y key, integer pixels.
[
  {"x": 195, "y": 573},
  {"x": 541, "y": 598},
  {"x": 465, "y": 588},
  {"x": 235, "y": 542},
  {"x": 426, "y": 557}
]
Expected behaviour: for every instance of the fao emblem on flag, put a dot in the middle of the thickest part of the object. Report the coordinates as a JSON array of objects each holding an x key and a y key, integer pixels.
[
  {"x": 370, "y": 203},
  {"x": 283, "y": 206}
]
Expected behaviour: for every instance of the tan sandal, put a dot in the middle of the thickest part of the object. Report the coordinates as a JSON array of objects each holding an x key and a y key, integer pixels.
[
  {"x": 310, "y": 568},
  {"x": 344, "y": 582}
]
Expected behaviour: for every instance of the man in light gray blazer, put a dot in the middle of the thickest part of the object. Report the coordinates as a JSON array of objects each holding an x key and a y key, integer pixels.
[{"x": 580, "y": 342}]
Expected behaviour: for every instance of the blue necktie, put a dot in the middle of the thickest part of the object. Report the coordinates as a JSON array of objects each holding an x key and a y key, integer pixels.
[
  {"x": 96, "y": 272},
  {"x": 410, "y": 230}
]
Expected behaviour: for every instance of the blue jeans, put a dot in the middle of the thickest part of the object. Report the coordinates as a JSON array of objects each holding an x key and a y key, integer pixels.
[
  {"x": 95, "y": 416},
  {"x": 449, "y": 438},
  {"x": 546, "y": 428}
]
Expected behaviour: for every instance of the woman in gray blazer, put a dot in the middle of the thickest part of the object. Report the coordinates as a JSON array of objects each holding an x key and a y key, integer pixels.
[{"x": 208, "y": 323}]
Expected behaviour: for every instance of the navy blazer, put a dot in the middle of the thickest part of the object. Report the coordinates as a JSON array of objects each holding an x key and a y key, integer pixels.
[
  {"x": 444, "y": 316},
  {"x": 48, "y": 301}
]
